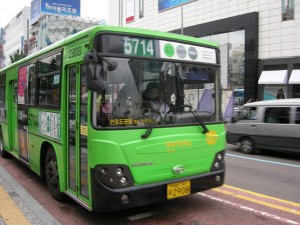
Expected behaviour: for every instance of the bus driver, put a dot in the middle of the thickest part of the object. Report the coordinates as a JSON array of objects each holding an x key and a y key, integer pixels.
[{"x": 154, "y": 93}]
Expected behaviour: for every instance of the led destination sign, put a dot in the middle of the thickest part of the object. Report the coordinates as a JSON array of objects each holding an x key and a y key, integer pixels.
[
  {"x": 139, "y": 46},
  {"x": 146, "y": 47}
]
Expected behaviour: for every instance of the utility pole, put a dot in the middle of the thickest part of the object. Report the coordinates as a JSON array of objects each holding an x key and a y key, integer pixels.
[
  {"x": 120, "y": 13},
  {"x": 181, "y": 16}
]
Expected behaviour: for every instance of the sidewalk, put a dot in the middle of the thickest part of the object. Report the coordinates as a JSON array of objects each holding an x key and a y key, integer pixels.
[{"x": 18, "y": 207}]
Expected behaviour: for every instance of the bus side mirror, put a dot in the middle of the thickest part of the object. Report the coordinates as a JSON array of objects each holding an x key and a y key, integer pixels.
[
  {"x": 95, "y": 80},
  {"x": 95, "y": 74}
]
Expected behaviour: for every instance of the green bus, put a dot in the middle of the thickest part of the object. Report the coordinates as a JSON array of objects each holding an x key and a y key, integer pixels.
[{"x": 84, "y": 114}]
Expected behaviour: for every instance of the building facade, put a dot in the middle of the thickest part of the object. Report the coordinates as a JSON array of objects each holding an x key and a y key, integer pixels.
[
  {"x": 258, "y": 40},
  {"x": 16, "y": 34},
  {"x": 1, "y": 48},
  {"x": 51, "y": 28}
]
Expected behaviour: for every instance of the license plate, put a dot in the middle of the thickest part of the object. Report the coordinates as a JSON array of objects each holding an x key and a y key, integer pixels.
[{"x": 179, "y": 189}]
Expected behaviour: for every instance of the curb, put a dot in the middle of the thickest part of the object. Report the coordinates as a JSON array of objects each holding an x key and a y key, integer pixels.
[{"x": 35, "y": 213}]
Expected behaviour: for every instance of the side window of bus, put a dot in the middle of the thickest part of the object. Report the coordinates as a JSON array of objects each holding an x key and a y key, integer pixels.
[
  {"x": 27, "y": 82},
  {"x": 48, "y": 90},
  {"x": 83, "y": 97},
  {"x": 297, "y": 119},
  {"x": 2, "y": 97},
  {"x": 277, "y": 115},
  {"x": 31, "y": 84},
  {"x": 2, "y": 90},
  {"x": 49, "y": 80}
]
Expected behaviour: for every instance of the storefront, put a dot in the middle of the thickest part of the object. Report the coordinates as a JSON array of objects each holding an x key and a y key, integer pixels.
[{"x": 277, "y": 75}]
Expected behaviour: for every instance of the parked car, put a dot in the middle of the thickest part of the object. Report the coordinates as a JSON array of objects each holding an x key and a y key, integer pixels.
[{"x": 266, "y": 125}]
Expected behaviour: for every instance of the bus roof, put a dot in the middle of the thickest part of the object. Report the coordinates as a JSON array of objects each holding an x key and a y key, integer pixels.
[
  {"x": 275, "y": 102},
  {"x": 118, "y": 30}
]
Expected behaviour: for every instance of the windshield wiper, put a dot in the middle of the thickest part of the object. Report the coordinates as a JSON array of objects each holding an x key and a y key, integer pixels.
[
  {"x": 196, "y": 115},
  {"x": 148, "y": 131},
  {"x": 150, "y": 126}
]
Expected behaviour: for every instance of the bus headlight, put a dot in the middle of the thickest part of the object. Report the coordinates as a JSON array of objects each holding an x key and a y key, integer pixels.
[
  {"x": 218, "y": 162},
  {"x": 119, "y": 171},
  {"x": 123, "y": 181},
  {"x": 115, "y": 176}
]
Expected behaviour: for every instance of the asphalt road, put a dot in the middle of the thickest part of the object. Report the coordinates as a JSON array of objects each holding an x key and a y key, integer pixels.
[
  {"x": 264, "y": 175},
  {"x": 269, "y": 173}
]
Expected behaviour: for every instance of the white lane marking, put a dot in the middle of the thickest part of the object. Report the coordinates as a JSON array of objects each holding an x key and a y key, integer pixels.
[
  {"x": 142, "y": 215},
  {"x": 262, "y": 160},
  {"x": 250, "y": 209}
]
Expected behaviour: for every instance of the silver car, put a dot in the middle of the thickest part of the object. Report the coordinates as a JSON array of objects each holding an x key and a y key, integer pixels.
[{"x": 267, "y": 125}]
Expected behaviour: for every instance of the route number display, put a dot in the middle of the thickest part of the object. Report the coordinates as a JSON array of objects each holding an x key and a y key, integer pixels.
[{"x": 139, "y": 46}]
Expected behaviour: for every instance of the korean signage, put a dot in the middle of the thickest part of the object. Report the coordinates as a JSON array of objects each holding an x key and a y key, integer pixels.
[
  {"x": 63, "y": 7},
  {"x": 58, "y": 7},
  {"x": 166, "y": 4}
]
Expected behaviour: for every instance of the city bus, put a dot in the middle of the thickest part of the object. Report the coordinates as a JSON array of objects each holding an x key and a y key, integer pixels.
[{"x": 79, "y": 114}]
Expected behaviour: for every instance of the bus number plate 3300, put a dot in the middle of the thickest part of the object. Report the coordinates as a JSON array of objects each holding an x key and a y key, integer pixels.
[{"x": 179, "y": 189}]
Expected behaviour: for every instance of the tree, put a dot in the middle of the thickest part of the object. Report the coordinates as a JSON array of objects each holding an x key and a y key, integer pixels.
[{"x": 16, "y": 56}]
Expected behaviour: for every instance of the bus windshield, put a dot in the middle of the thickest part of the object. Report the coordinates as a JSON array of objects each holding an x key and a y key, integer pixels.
[{"x": 161, "y": 93}]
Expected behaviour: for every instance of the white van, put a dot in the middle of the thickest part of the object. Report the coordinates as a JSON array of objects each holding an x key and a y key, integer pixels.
[{"x": 267, "y": 125}]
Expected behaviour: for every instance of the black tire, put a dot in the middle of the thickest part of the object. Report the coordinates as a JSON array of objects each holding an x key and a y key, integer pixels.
[
  {"x": 3, "y": 153},
  {"x": 52, "y": 175},
  {"x": 247, "y": 146}
]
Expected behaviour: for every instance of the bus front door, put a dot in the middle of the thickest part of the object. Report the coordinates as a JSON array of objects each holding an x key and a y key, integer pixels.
[{"x": 77, "y": 132}]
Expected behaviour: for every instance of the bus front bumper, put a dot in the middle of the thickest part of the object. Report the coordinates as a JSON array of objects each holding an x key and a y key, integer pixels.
[{"x": 106, "y": 199}]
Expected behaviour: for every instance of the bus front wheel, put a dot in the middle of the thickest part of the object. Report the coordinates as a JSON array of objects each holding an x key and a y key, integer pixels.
[
  {"x": 3, "y": 153},
  {"x": 52, "y": 175}
]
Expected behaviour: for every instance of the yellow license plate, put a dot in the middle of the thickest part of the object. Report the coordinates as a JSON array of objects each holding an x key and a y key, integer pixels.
[{"x": 179, "y": 189}]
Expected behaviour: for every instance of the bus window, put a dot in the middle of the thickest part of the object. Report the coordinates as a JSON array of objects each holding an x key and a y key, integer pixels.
[
  {"x": 2, "y": 98},
  {"x": 48, "y": 90},
  {"x": 123, "y": 100},
  {"x": 31, "y": 84},
  {"x": 49, "y": 64},
  {"x": 49, "y": 80}
]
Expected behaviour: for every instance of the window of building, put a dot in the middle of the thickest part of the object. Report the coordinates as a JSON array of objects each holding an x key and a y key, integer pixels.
[
  {"x": 232, "y": 47},
  {"x": 296, "y": 91},
  {"x": 288, "y": 9}
]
